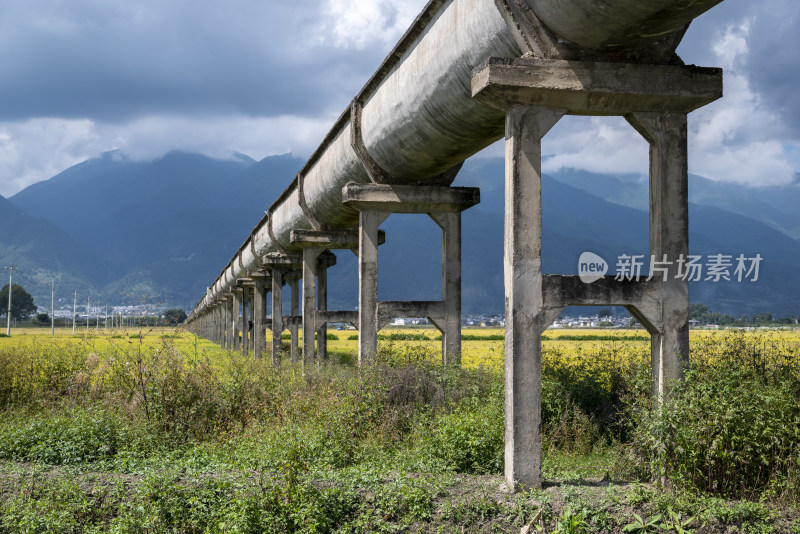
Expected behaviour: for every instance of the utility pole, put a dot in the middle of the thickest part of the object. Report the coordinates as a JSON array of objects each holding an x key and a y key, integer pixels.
[
  {"x": 105, "y": 323},
  {"x": 74, "y": 309},
  {"x": 88, "y": 302},
  {"x": 10, "y": 286},
  {"x": 52, "y": 308}
]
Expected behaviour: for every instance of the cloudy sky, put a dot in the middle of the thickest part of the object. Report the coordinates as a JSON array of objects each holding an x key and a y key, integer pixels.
[{"x": 79, "y": 77}]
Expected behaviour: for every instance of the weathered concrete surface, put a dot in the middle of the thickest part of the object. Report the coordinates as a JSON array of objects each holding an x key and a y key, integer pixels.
[
  {"x": 533, "y": 300},
  {"x": 236, "y": 318},
  {"x": 418, "y": 119},
  {"x": 617, "y": 25},
  {"x": 669, "y": 237},
  {"x": 277, "y": 314},
  {"x": 259, "y": 314},
  {"x": 310, "y": 269},
  {"x": 295, "y": 311},
  {"x": 589, "y": 88},
  {"x": 450, "y": 224},
  {"x": 525, "y": 313},
  {"x": 368, "y": 223},
  {"x": 409, "y": 199},
  {"x": 444, "y": 205}
]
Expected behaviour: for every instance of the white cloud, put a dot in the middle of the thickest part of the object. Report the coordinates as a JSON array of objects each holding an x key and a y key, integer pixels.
[
  {"x": 38, "y": 149},
  {"x": 738, "y": 138},
  {"x": 151, "y": 137},
  {"x": 607, "y": 145},
  {"x": 362, "y": 23}
]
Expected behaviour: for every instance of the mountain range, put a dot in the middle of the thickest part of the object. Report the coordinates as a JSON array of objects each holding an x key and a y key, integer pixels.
[{"x": 124, "y": 231}]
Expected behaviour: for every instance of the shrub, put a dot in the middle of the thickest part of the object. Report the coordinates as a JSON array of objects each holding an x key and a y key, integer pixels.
[
  {"x": 77, "y": 437},
  {"x": 469, "y": 440},
  {"x": 731, "y": 428}
]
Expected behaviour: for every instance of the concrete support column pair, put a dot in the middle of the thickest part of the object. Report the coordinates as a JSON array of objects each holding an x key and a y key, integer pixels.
[
  {"x": 530, "y": 310},
  {"x": 655, "y": 99},
  {"x": 316, "y": 261},
  {"x": 444, "y": 205}
]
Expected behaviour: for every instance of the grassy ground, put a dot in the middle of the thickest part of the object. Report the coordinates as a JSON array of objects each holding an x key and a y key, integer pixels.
[{"x": 158, "y": 431}]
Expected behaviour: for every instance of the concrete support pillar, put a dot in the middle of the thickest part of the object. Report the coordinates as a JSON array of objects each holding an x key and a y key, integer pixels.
[
  {"x": 669, "y": 238},
  {"x": 525, "y": 318},
  {"x": 368, "y": 223},
  {"x": 251, "y": 319},
  {"x": 229, "y": 322},
  {"x": 450, "y": 223},
  {"x": 259, "y": 314},
  {"x": 245, "y": 317},
  {"x": 322, "y": 305},
  {"x": 215, "y": 323},
  {"x": 277, "y": 314},
  {"x": 310, "y": 257},
  {"x": 236, "y": 318},
  {"x": 223, "y": 318},
  {"x": 295, "y": 351}
]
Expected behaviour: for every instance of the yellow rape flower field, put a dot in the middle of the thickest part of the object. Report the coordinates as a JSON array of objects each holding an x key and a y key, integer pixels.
[
  {"x": 158, "y": 430},
  {"x": 595, "y": 352}
]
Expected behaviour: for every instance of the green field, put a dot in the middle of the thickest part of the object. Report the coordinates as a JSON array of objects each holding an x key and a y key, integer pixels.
[{"x": 160, "y": 431}]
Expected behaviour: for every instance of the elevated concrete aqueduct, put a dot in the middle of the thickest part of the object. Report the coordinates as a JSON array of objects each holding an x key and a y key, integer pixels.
[{"x": 466, "y": 73}]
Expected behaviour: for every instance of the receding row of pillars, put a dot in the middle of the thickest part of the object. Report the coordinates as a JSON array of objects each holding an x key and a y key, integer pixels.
[
  {"x": 238, "y": 320},
  {"x": 654, "y": 99}
]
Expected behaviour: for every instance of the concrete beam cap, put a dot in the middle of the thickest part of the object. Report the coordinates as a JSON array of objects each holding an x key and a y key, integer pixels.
[
  {"x": 409, "y": 198},
  {"x": 589, "y": 88}
]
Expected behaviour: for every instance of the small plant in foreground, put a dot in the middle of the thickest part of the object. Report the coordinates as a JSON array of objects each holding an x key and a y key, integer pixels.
[
  {"x": 570, "y": 522},
  {"x": 640, "y": 525},
  {"x": 676, "y": 523}
]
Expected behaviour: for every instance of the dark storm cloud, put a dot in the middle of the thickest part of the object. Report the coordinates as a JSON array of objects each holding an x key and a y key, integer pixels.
[{"x": 113, "y": 60}]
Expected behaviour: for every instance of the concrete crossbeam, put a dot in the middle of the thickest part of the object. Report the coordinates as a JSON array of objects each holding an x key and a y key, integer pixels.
[
  {"x": 388, "y": 309},
  {"x": 330, "y": 240},
  {"x": 409, "y": 198},
  {"x": 588, "y": 88},
  {"x": 292, "y": 320},
  {"x": 333, "y": 316},
  {"x": 642, "y": 298}
]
